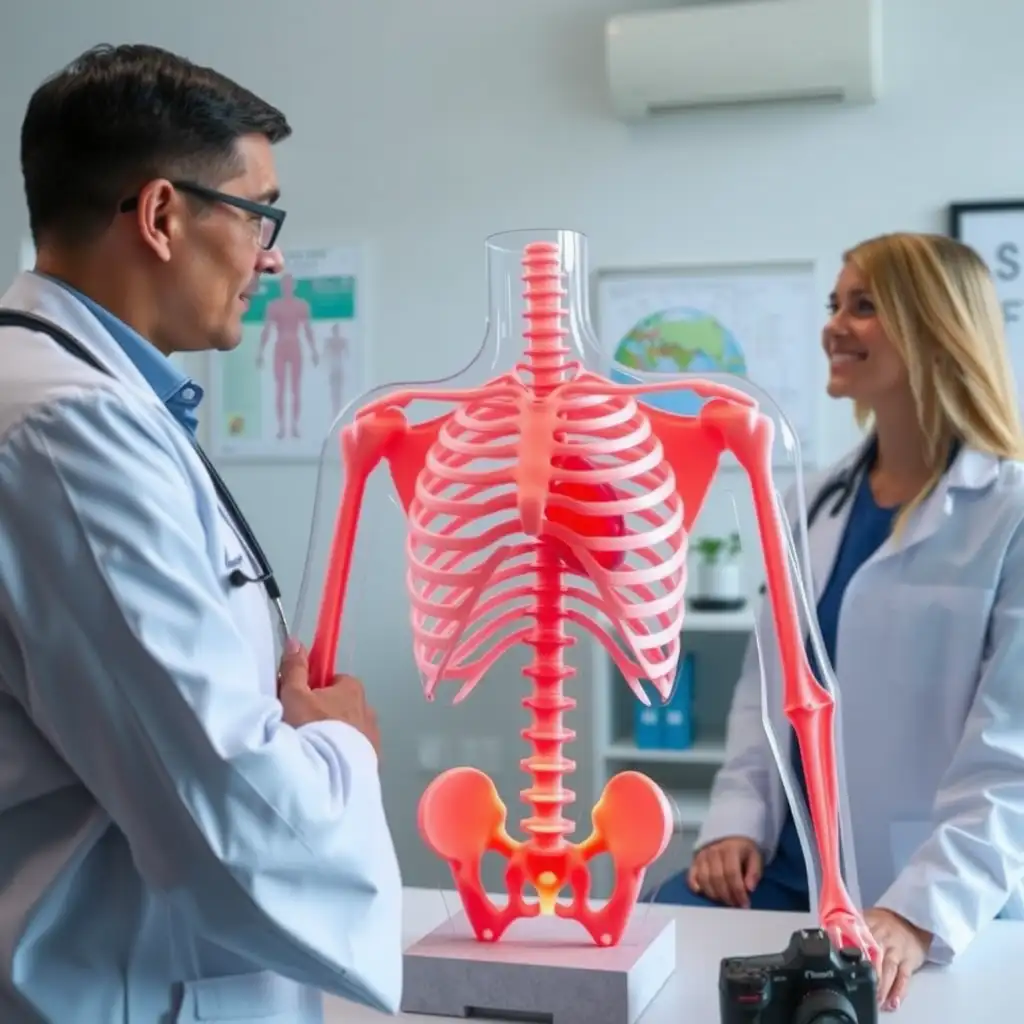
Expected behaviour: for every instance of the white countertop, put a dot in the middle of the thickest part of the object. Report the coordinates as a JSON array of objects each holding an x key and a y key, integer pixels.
[{"x": 980, "y": 986}]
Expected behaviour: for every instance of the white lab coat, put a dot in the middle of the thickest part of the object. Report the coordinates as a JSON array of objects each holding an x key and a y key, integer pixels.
[
  {"x": 170, "y": 850},
  {"x": 930, "y": 667}
]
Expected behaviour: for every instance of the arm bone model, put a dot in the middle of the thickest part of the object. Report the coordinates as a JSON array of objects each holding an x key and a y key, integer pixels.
[{"x": 546, "y": 498}]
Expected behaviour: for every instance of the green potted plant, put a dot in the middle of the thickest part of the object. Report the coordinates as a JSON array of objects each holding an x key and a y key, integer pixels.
[{"x": 719, "y": 581}]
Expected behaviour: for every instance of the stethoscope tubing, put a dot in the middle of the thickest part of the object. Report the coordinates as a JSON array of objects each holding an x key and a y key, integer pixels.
[{"x": 70, "y": 344}]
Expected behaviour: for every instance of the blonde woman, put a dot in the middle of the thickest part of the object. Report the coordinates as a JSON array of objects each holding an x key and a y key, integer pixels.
[{"x": 917, "y": 550}]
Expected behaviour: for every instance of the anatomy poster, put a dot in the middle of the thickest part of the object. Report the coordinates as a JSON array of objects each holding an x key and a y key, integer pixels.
[{"x": 300, "y": 362}]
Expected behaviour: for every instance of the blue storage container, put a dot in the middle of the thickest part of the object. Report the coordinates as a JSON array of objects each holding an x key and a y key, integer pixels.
[
  {"x": 677, "y": 715},
  {"x": 647, "y": 720}
]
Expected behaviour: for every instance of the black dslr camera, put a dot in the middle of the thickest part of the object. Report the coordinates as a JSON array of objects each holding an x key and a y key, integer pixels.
[{"x": 809, "y": 983}]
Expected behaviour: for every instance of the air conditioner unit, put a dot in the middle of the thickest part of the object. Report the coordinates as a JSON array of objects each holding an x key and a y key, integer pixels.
[{"x": 728, "y": 52}]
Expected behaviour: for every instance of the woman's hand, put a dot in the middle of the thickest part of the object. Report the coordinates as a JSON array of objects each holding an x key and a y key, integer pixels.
[
  {"x": 727, "y": 871},
  {"x": 904, "y": 949}
]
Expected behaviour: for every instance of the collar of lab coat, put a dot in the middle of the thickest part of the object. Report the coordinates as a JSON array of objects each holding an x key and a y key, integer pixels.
[
  {"x": 32, "y": 293},
  {"x": 971, "y": 471}
]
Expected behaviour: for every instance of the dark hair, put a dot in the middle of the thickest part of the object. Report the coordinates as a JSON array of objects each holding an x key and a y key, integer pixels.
[{"x": 117, "y": 117}]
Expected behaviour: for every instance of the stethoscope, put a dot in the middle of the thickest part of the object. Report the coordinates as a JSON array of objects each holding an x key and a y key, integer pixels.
[
  {"x": 842, "y": 486},
  {"x": 237, "y": 578},
  {"x": 845, "y": 483}
]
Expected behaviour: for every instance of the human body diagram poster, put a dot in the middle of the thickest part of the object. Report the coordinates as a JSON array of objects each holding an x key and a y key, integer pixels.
[
  {"x": 300, "y": 362},
  {"x": 760, "y": 322}
]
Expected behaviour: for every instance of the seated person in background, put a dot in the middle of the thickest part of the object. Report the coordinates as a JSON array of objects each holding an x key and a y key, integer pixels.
[{"x": 919, "y": 570}]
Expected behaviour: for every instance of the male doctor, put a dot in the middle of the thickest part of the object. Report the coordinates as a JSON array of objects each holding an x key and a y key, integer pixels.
[{"x": 187, "y": 832}]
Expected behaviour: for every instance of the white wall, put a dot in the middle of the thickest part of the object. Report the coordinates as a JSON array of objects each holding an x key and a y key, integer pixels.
[{"x": 421, "y": 127}]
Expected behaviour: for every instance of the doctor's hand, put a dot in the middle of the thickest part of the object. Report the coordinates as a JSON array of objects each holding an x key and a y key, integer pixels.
[
  {"x": 727, "y": 871},
  {"x": 904, "y": 949},
  {"x": 343, "y": 701}
]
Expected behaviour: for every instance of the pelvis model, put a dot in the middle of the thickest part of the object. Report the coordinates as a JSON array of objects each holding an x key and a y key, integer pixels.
[{"x": 546, "y": 487}]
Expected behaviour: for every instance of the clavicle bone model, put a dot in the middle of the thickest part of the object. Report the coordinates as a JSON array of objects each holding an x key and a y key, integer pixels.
[{"x": 547, "y": 484}]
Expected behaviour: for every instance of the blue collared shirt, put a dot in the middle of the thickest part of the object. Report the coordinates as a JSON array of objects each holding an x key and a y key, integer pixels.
[{"x": 175, "y": 389}]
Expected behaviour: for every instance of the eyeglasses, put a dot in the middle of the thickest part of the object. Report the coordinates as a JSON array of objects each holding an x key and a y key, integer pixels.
[{"x": 271, "y": 217}]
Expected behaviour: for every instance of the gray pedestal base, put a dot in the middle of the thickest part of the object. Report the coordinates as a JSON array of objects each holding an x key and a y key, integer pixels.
[{"x": 544, "y": 970}]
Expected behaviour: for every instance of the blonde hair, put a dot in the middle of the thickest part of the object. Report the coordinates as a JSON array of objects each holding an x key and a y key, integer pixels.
[{"x": 937, "y": 303}]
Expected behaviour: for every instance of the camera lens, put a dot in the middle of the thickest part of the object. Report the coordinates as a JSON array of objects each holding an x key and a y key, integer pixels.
[{"x": 825, "y": 1006}]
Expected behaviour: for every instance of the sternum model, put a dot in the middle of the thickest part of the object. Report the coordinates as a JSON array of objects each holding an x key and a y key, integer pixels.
[{"x": 546, "y": 489}]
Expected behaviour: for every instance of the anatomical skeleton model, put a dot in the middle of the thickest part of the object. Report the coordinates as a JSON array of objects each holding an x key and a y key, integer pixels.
[{"x": 554, "y": 479}]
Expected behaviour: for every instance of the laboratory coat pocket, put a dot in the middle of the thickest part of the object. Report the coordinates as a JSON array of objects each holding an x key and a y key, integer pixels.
[
  {"x": 258, "y": 998},
  {"x": 935, "y": 641}
]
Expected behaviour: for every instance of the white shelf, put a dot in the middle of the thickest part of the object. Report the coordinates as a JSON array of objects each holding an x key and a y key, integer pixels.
[
  {"x": 719, "y": 622},
  {"x": 705, "y": 622},
  {"x": 689, "y": 808},
  {"x": 682, "y": 774},
  {"x": 702, "y": 752}
]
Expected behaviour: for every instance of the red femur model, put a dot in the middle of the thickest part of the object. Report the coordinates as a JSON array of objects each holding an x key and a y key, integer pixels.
[{"x": 543, "y": 490}]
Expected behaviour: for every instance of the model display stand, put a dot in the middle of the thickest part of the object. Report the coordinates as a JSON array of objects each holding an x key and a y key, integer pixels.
[
  {"x": 551, "y": 498},
  {"x": 540, "y": 971}
]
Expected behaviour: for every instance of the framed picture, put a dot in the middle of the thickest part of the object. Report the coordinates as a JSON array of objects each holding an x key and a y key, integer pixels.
[
  {"x": 302, "y": 360},
  {"x": 756, "y": 321},
  {"x": 995, "y": 230}
]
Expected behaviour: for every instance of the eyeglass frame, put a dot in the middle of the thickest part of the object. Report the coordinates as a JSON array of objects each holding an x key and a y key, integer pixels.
[{"x": 272, "y": 213}]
